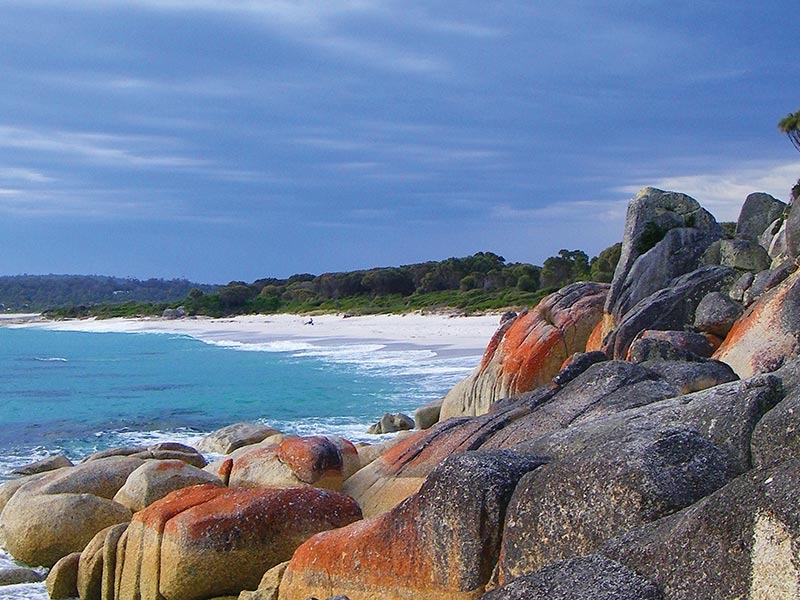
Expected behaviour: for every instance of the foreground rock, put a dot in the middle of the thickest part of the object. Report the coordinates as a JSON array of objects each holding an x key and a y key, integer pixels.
[
  {"x": 440, "y": 543},
  {"x": 204, "y": 542},
  {"x": 740, "y": 542},
  {"x": 528, "y": 350},
  {"x": 155, "y": 479}
]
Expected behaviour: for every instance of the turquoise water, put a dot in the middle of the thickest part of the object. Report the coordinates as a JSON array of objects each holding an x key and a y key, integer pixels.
[{"x": 78, "y": 392}]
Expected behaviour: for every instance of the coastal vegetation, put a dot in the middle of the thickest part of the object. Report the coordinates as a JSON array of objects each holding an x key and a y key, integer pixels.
[{"x": 481, "y": 282}]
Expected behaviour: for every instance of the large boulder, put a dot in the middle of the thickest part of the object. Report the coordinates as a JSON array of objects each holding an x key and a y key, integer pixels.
[
  {"x": 740, "y": 542},
  {"x": 527, "y": 351},
  {"x": 233, "y": 437},
  {"x": 62, "y": 580},
  {"x": 592, "y": 576},
  {"x": 613, "y": 474},
  {"x": 159, "y": 451},
  {"x": 203, "y": 542},
  {"x": 97, "y": 564},
  {"x": 768, "y": 334},
  {"x": 716, "y": 314},
  {"x": 743, "y": 255},
  {"x": 776, "y": 438},
  {"x": 155, "y": 479},
  {"x": 792, "y": 231},
  {"x": 59, "y": 512},
  {"x": 440, "y": 543},
  {"x": 671, "y": 308},
  {"x": 665, "y": 236},
  {"x": 758, "y": 212},
  {"x": 51, "y": 463}
]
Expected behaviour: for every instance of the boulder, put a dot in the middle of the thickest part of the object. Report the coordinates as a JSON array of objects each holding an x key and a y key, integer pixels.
[
  {"x": 740, "y": 542},
  {"x": 743, "y": 255},
  {"x": 427, "y": 416},
  {"x": 592, "y": 576},
  {"x": 203, "y": 542},
  {"x": 766, "y": 336},
  {"x": 672, "y": 308},
  {"x": 669, "y": 345},
  {"x": 792, "y": 235},
  {"x": 716, "y": 314},
  {"x": 766, "y": 280},
  {"x": 692, "y": 376},
  {"x": 528, "y": 351},
  {"x": 233, "y": 437},
  {"x": 740, "y": 286},
  {"x": 611, "y": 475},
  {"x": 758, "y": 212},
  {"x": 17, "y": 575},
  {"x": 51, "y": 463},
  {"x": 392, "y": 423},
  {"x": 297, "y": 461},
  {"x": 39, "y": 529},
  {"x": 97, "y": 564},
  {"x": 59, "y": 512},
  {"x": 674, "y": 230},
  {"x": 604, "y": 389},
  {"x": 156, "y": 479},
  {"x": 62, "y": 580},
  {"x": 440, "y": 543}
]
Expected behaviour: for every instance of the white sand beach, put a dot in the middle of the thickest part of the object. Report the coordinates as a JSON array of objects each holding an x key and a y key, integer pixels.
[{"x": 445, "y": 334}]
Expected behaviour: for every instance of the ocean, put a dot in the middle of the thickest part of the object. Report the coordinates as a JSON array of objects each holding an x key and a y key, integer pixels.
[{"x": 77, "y": 392}]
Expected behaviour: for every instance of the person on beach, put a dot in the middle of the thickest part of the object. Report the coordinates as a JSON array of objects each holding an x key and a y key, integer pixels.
[{"x": 310, "y": 321}]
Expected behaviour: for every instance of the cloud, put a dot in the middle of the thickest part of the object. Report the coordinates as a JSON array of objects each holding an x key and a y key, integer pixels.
[
  {"x": 21, "y": 174},
  {"x": 724, "y": 192}
]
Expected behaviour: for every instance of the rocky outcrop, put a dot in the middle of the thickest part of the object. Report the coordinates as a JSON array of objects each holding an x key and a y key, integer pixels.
[
  {"x": 716, "y": 314},
  {"x": 671, "y": 308},
  {"x": 160, "y": 451},
  {"x": 527, "y": 351},
  {"x": 391, "y": 423},
  {"x": 203, "y": 542},
  {"x": 97, "y": 564},
  {"x": 766, "y": 336},
  {"x": 743, "y": 255},
  {"x": 665, "y": 236},
  {"x": 740, "y": 542},
  {"x": 233, "y": 437},
  {"x": 440, "y": 543},
  {"x": 155, "y": 479},
  {"x": 670, "y": 345},
  {"x": 58, "y": 513},
  {"x": 777, "y": 436},
  {"x": 592, "y": 576}
]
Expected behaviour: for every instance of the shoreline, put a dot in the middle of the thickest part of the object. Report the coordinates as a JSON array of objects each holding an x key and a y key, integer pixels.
[{"x": 446, "y": 336}]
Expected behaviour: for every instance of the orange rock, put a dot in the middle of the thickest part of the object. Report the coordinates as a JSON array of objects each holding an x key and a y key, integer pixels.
[
  {"x": 205, "y": 541},
  {"x": 768, "y": 333},
  {"x": 526, "y": 352}
]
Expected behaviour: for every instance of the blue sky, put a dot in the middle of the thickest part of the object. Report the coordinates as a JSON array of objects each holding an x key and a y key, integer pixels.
[{"x": 224, "y": 140}]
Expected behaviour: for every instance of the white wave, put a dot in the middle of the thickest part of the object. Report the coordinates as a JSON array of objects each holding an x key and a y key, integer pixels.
[
  {"x": 275, "y": 346},
  {"x": 21, "y": 591},
  {"x": 50, "y": 359}
]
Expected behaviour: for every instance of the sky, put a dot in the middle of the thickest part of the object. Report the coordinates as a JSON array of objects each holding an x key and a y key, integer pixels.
[{"x": 220, "y": 140}]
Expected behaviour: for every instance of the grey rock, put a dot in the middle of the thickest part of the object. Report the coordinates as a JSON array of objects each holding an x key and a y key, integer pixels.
[
  {"x": 577, "y": 364},
  {"x": 654, "y": 347},
  {"x": 716, "y": 314},
  {"x": 604, "y": 389},
  {"x": 160, "y": 451},
  {"x": 777, "y": 436},
  {"x": 712, "y": 255},
  {"x": 740, "y": 286},
  {"x": 174, "y": 313},
  {"x": 233, "y": 437},
  {"x": 16, "y": 575},
  {"x": 743, "y": 255},
  {"x": 662, "y": 211},
  {"x": 740, "y": 542},
  {"x": 46, "y": 464},
  {"x": 592, "y": 576},
  {"x": 766, "y": 280},
  {"x": 390, "y": 423},
  {"x": 774, "y": 239},
  {"x": 693, "y": 376},
  {"x": 672, "y": 308},
  {"x": 758, "y": 212},
  {"x": 427, "y": 416},
  {"x": 613, "y": 474}
]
